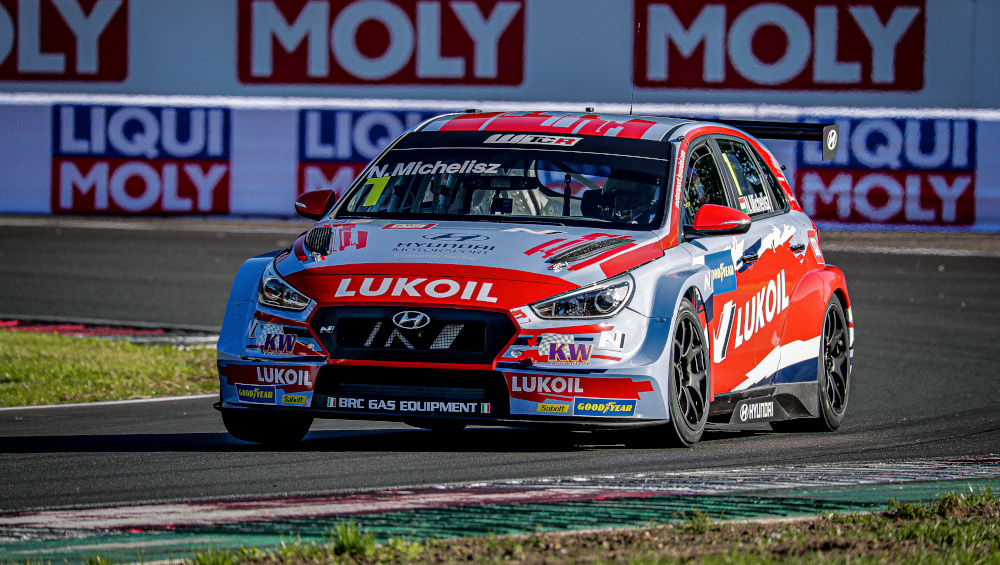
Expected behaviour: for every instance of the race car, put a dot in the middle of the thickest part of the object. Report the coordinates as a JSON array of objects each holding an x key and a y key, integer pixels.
[{"x": 548, "y": 269}]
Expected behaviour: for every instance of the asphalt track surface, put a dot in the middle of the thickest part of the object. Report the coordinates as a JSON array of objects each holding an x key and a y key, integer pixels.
[{"x": 925, "y": 380}]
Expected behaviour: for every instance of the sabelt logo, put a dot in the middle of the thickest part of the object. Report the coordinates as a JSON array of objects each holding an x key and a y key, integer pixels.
[
  {"x": 472, "y": 291},
  {"x": 553, "y": 408},
  {"x": 393, "y": 42},
  {"x": 531, "y": 139},
  {"x": 64, "y": 40},
  {"x": 781, "y": 44},
  {"x": 255, "y": 394},
  {"x": 293, "y": 399}
]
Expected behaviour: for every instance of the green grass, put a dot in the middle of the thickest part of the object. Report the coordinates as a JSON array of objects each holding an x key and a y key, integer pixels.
[
  {"x": 959, "y": 527},
  {"x": 49, "y": 369}
]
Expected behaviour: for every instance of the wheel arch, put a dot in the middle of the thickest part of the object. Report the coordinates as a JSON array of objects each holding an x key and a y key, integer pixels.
[
  {"x": 241, "y": 304},
  {"x": 812, "y": 295},
  {"x": 671, "y": 290}
]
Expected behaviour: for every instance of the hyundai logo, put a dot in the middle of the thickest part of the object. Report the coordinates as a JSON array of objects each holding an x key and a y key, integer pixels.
[
  {"x": 456, "y": 237},
  {"x": 411, "y": 320}
]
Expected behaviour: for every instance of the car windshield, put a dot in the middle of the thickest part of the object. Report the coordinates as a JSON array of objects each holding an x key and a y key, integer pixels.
[{"x": 519, "y": 183}]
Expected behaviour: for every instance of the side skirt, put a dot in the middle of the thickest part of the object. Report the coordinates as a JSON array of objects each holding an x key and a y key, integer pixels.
[{"x": 771, "y": 403}]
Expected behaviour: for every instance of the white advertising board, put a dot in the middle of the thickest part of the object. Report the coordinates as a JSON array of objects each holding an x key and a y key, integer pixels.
[{"x": 908, "y": 53}]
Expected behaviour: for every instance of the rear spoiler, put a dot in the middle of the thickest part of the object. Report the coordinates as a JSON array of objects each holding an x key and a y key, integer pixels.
[{"x": 829, "y": 134}]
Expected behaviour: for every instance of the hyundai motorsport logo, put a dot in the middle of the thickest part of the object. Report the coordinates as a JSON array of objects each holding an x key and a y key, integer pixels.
[
  {"x": 140, "y": 160},
  {"x": 335, "y": 145},
  {"x": 391, "y": 42},
  {"x": 892, "y": 171}
]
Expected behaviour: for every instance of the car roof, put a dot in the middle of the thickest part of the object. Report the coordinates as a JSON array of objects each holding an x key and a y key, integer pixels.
[{"x": 653, "y": 128}]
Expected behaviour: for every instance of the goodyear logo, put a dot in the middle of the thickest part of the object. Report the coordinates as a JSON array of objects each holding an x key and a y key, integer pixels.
[
  {"x": 553, "y": 408},
  {"x": 723, "y": 271},
  {"x": 603, "y": 407},
  {"x": 256, "y": 394},
  {"x": 293, "y": 399}
]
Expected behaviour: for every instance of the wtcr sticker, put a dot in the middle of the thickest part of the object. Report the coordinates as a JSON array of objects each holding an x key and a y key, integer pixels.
[{"x": 531, "y": 139}]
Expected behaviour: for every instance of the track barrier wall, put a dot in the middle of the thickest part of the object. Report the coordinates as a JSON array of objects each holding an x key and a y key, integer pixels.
[{"x": 895, "y": 168}]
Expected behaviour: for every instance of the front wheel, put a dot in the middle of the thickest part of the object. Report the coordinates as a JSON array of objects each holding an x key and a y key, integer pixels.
[
  {"x": 687, "y": 387},
  {"x": 269, "y": 428},
  {"x": 689, "y": 379}
]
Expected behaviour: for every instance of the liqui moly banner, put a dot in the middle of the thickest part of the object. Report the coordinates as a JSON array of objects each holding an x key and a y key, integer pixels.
[
  {"x": 65, "y": 40},
  {"x": 334, "y": 145},
  {"x": 893, "y": 171},
  {"x": 140, "y": 160}
]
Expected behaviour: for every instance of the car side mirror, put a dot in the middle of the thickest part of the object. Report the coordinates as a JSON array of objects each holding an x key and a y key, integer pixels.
[
  {"x": 315, "y": 204},
  {"x": 713, "y": 219}
]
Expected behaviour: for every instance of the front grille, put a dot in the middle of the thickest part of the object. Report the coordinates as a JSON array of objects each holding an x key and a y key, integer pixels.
[{"x": 451, "y": 336}]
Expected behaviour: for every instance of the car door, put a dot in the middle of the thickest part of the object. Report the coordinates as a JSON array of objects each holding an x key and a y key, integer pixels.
[
  {"x": 706, "y": 183},
  {"x": 772, "y": 261}
]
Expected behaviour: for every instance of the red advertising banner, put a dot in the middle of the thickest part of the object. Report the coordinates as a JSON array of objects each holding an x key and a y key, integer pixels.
[
  {"x": 140, "y": 160},
  {"x": 893, "y": 171},
  {"x": 400, "y": 42},
  {"x": 68, "y": 40},
  {"x": 782, "y": 45}
]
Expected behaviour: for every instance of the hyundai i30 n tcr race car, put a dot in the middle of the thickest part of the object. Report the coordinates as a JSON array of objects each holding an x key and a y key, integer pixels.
[{"x": 546, "y": 269}]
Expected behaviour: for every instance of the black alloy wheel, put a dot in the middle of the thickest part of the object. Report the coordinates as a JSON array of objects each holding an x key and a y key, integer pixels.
[
  {"x": 689, "y": 378},
  {"x": 836, "y": 365},
  {"x": 833, "y": 375}
]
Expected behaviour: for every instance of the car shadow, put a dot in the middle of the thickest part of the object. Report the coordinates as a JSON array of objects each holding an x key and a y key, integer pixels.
[{"x": 489, "y": 440}]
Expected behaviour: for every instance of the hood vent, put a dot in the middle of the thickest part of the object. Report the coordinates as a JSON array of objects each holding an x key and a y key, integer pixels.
[
  {"x": 318, "y": 240},
  {"x": 589, "y": 249}
]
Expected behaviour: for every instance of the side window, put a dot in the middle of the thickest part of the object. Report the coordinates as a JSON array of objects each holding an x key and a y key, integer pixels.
[
  {"x": 703, "y": 184},
  {"x": 753, "y": 195},
  {"x": 769, "y": 178}
]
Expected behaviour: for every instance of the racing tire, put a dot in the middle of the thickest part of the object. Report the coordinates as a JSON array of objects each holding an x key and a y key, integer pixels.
[
  {"x": 833, "y": 375},
  {"x": 268, "y": 428},
  {"x": 689, "y": 379}
]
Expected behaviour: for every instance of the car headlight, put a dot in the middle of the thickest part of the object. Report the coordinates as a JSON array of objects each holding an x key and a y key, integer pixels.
[
  {"x": 276, "y": 293},
  {"x": 602, "y": 300}
]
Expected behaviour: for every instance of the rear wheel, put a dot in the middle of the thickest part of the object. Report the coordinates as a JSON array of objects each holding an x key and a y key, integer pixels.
[
  {"x": 834, "y": 375},
  {"x": 269, "y": 428}
]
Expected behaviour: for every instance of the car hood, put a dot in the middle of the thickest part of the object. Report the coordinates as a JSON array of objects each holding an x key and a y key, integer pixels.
[{"x": 489, "y": 265}]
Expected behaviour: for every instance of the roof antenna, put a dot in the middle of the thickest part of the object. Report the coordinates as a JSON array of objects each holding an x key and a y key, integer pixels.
[{"x": 635, "y": 56}]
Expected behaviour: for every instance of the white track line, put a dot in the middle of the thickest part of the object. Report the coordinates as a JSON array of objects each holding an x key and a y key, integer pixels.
[{"x": 110, "y": 402}]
